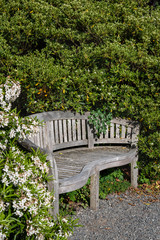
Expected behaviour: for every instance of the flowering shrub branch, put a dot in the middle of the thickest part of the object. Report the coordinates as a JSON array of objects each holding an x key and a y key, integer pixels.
[{"x": 24, "y": 198}]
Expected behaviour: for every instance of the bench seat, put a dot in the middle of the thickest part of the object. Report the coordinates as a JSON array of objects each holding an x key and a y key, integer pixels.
[{"x": 75, "y": 166}]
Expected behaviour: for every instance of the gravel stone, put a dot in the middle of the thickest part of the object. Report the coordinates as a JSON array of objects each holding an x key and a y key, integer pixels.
[{"x": 127, "y": 216}]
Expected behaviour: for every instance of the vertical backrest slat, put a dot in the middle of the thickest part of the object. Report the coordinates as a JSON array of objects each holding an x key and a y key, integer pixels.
[
  {"x": 60, "y": 131},
  {"x": 78, "y": 130},
  {"x": 65, "y": 130},
  {"x": 90, "y": 137},
  {"x": 112, "y": 130},
  {"x": 45, "y": 136},
  {"x": 129, "y": 132},
  {"x": 69, "y": 131},
  {"x": 101, "y": 136},
  {"x": 117, "y": 130},
  {"x": 56, "y": 131},
  {"x": 83, "y": 129},
  {"x": 74, "y": 129},
  {"x": 106, "y": 133},
  {"x": 50, "y": 133},
  {"x": 36, "y": 138},
  {"x": 41, "y": 136},
  {"x": 123, "y": 131}
]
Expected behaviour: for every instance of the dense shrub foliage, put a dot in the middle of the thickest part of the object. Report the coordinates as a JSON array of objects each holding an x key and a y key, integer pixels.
[{"x": 83, "y": 55}]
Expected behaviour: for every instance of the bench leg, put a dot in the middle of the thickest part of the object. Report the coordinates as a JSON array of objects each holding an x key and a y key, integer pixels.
[
  {"x": 94, "y": 191},
  {"x": 56, "y": 205},
  {"x": 54, "y": 186},
  {"x": 134, "y": 173}
]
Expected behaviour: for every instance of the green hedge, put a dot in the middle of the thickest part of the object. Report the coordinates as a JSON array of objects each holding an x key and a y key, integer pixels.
[{"x": 83, "y": 55}]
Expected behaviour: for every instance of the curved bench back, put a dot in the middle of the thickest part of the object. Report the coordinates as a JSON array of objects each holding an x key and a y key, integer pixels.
[{"x": 68, "y": 129}]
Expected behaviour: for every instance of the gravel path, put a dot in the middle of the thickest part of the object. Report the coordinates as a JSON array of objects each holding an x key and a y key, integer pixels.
[{"x": 128, "y": 216}]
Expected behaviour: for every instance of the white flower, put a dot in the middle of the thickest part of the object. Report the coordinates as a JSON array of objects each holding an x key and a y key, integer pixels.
[
  {"x": 2, "y": 146},
  {"x": 18, "y": 213},
  {"x": 12, "y": 133},
  {"x": 65, "y": 220},
  {"x": 5, "y": 180},
  {"x": 2, "y": 236},
  {"x": 2, "y": 205}
]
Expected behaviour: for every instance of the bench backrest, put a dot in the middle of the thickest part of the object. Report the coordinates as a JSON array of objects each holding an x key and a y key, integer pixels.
[{"x": 68, "y": 129}]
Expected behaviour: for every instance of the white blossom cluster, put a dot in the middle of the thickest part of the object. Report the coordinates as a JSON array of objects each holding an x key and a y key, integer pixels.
[
  {"x": 12, "y": 90},
  {"x": 3, "y": 205},
  {"x": 2, "y": 235},
  {"x": 34, "y": 195},
  {"x": 10, "y": 121},
  {"x": 8, "y": 93},
  {"x": 40, "y": 165},
  {"x": 26, "y": 175}
]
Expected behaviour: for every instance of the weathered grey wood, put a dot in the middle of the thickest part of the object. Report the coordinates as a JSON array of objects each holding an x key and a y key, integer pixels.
[
  {"x": 69, "y": 144},
  {"x": 79, "y": 180},
  {"x": 106, "y": 133},
  {"x": 56, "y": 131},
  {"x": 113, "y": 140},
  {"x": 90, "y": 137},
  {"x": 41, "y": 136},
  {"x": 135, "y": 132},
  {"x": 94, "y": 191},
  {"x": 74, "y": 129},
  {"x": 79, "y": 130},
  {"x": 57, "y": 115},
  {"x": 134, "y": 172},
  {"x": 117, "y": 130},
  {"x": 83, "y": 129},
  {"x": 129, "y": 131},
  {"x": 45, "y": 136},
  {"x": 53, "y": 185},
  {"x": 37, "y": 139},
  {"x": 65, "y": 130},
  {"x": 101, "y": 136},
  {"x": 72, "y": 167},
  {"x": 60, "y": 132},
  {"x": 69, "y": 131},
  {"x": 112, "y": 130},
  {"x": 51, "y": 137}
]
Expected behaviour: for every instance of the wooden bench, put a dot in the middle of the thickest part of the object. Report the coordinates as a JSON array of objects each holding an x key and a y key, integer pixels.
[{"x": 75, "y": 153}]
